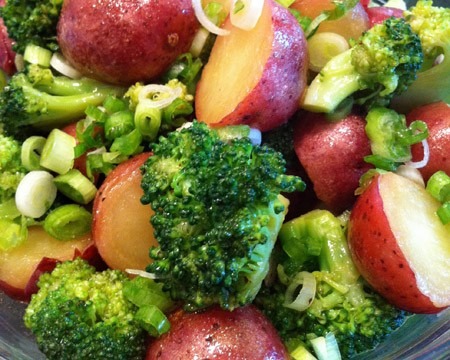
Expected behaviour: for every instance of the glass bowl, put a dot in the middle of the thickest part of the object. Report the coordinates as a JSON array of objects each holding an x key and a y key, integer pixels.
[{"x": 423, "y": 337}]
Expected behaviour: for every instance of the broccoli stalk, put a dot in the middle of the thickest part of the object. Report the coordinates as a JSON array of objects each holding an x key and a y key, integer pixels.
[
  {"x": 37, "y": 99},
  {"x": 343, "y": 304},
  {"x": 32, "y": 22},
  {"x": 432, "y": 24},
  {"x": 79, "y": 313},
  {"x": 383, "y": 63},
  {"x": 217, "y": 214}
]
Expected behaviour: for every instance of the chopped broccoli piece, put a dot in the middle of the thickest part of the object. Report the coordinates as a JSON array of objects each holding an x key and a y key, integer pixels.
[
  {"x": 383, "y": 63},
  {"x": 37, "y": 99},
  {"x": 343, "y": 303},
  {"x": 432, "y": 24},
  {"x": 32, "y": 22},
  {"x": 217, "y": 214},
  {"x": 79, "y": 313},
  {"x": 11, "y": 168}
]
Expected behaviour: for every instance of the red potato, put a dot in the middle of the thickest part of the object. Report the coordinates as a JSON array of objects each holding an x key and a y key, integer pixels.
[
  {"x": 20, "y": 267},
  {"x": 350, "y": 26},
  {"x": 332, "y": 154},
  {"x": 121, "y": 227},
  {"x": 243, "y": 334},
  {"x": 7, "y": 55},
  {"x": 255, "y": 77},
  {"x": 399, "y": 244},
  {"x": 380, "y": 13},
  {"x": 437, "y": 118},
  {"x": 124, "y": 41}
]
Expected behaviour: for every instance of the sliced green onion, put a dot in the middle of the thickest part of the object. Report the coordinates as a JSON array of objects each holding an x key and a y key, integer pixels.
[
  {"x": 246, "y": 13},
  {"x": 199, "y": 42},
  {"x": 305, "y": 296},
  {"x": 60, "y": 64},
  {"x": 426, "y": 157},
  {"x": 444, "y": 213},
  {"x": 301, "y": 353},
  {"x": 438, "y": 186},
  {"x": 326, "y": 347},
  {"x": 159, "y": 96},
  {"x": 152, "y": 320},
  {"x": 143, "y": 291},
  {"x": 34, "y": 54},
  {"x": 31, "y": 152},
  {"x": 128, "y": 144},
  {"x": 68, "y": 222},
  {"x": 76, "y": 186},
  {"x": 324, "y": 46},
  {"x": 35, "y": 193},
  {"x": 205, "y": 21},
  {"x": 118, "y": 123},
  {"x": 58, "y": 153},
  {"x": 13, "y": 234},
  {"x": 147, "y": 119}
]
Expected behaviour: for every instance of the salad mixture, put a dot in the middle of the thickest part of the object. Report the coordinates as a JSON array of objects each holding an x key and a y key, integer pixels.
[{"x": 223, "y": 179}]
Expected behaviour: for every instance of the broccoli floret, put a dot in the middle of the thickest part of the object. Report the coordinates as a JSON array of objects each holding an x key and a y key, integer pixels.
[
  {"x": 381, "y": 64},
  {"x": 79, "y": 313},
  {"x": 38, "y": 99},
  {"x": 343, "y": 304},
  {"x": 32, "y": 22},
  {"x": 217, "y": 214},
  {"x": 432, "y": 24},
  {"x": 11, "y": 168}
]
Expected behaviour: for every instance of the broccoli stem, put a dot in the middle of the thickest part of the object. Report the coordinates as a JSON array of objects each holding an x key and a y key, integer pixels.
[
  {"x": 61, "y": 110},
  {"x": 64, "y": 86},
  {"x": 431, "y": 85},
  {"x": 337, "y": 80}
]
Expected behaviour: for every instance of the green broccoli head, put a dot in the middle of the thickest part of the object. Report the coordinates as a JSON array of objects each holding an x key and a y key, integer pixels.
[
  {"x": 387, "y": 58},
  {"x": 217, "y": 213},
  {"x": 432, "y": 25},
  {"x": 80, "y": 313},
  {"x": 11, "y": 168},
  {"x": 382, "y": 63},
  {"x": 32, "y": 22},
  {"x": 343, "y": 303},
  {"x": 38, "y": 99}
]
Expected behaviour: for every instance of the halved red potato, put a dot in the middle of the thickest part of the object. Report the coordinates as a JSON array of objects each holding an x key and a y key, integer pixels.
[
  {"x": 121, "y": 226},
  {"x": 19, "y": 267},
  {"x": 399, "y": 244},
  {"x": 255, "y": 77}
]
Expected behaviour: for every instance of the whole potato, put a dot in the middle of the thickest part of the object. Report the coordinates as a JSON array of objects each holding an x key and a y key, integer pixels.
[
  {"x": 215, "y": 333},
  {"x": 124, "y": 41}
]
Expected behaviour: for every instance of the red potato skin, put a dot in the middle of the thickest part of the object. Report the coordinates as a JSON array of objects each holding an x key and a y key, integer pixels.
[
  {"x": 7, "y": 55},
  {"x": 437, "y": 118},
  {"x": 277, "y": 94},
  {"x": 125, "y": 41},
  {"x": 90, "y": 254},
  {"x": 47, "y": 264},
  {"x": 243, "y": 334},
  {"x": 378, "y": 257},
  {"x": 283, "y": 81},
  {"x": 380, "y": 13},
  {"x": 332, "y": 154}
]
